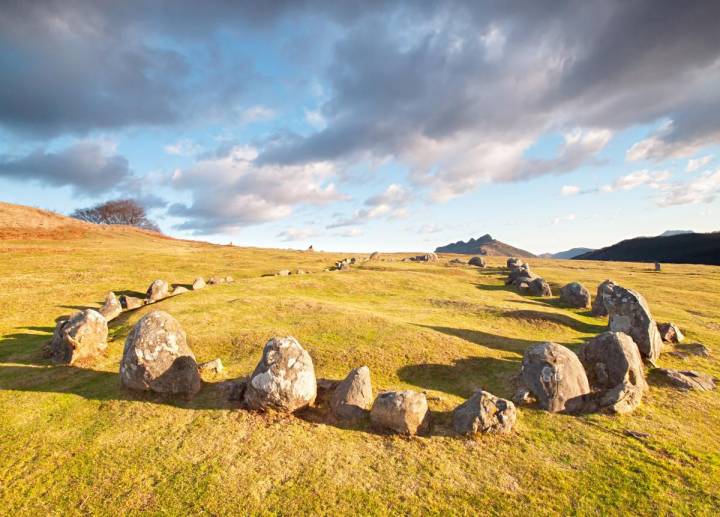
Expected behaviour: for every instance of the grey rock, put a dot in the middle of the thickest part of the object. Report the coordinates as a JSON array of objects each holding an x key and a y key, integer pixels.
[
  {"x": 520, "y": 274},
  {"x": 405, "y": 412},
  {"x": 483, "y": 412},
  {"x": 690, "y": 350},
  {"x": 216, "y": 280},
  {"x": 670, "y": 333},
  {"x": 198, "y": 283},
  {"x": 575, "y": 295},
  {"x": 688, "y": 379},
  {"x": 283, "y": 272},
  {"x": 515, "y": 263},
  {"x": 427, "y": 257},
  {"x": 112, "y": 308},
  {"x": 215, "y": 366},
  {"x": 477, "y": 261},
  {"x": 131, "y": 302},
  {"x": 353, "y": 396},
  {"x": 179, "y": 289},
  {"x": 284, "y": 379},
  {"x": 598, "y": 304},
  {"x": 629, "y": 313},
  {"x": 157, "y": 357},
  {"x": 555, "y": 376},
  {"x": 539, "y": 287},
  {"x": 80, "y": 338},
  {"x": 615, "y": 371},
  {"x": 375, "y": 255},
  {"x": 658, "y": 267},
  {"x": 157, "y": 291}
]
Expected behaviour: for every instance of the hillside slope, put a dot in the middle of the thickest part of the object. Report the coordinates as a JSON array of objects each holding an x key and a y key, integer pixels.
[
  {"x": 685, "y": 248},
  {"x": 484, "y": 245}
]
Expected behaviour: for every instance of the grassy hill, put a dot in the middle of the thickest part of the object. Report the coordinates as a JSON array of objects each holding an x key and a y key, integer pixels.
[{"x": 73, "y": 442}]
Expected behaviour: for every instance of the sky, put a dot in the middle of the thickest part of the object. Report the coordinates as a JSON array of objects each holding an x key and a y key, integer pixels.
[{"x": 373, "y": 125}]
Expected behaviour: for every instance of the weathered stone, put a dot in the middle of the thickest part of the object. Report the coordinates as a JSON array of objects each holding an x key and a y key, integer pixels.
[
  {"x": 284, "y": 379},
  {"x": 283, "y": 272},
  {"x": 198, "y": 283},
  {"x": 539, "y": 287},
  {"x": 353, "y": 396},
  {"x": 520, "y": 274},
  {"x": 477, "y": 261},
  {"x": 689, "y": 350},
  {"x": 310, "y": 248},
  {"x": 405, "y": 412},
  {"x": 629, "y": 313},
  {"x": 598, "y": 304},
  {"x": 131, "y": 302},
  {"x": 515, "y": 263},
  {"x": 658, "y": 267},
  {"x": 375, "y": 255},
  {"x": 229, "y": 279},
  {"x": 157, "y": 357},
  {"x": 555, "y": 376},
  {"x": 215, "y": 366},
  {"x": 670, "y": 333},
  {"x": 157, "y": 291},
  {"x": 615, "y": 371},
  {"x": 80, "y": 338},
  {"x": 179, "y": 289},
  {"x": 216, "y": 280},
  {"x": 112, "y": 308},
  {"x": 688, "y": 379},
  {"x": 575, "y": 295},
  {"x": 300, "y": 271},
  {"x": 484, "y": 413}
]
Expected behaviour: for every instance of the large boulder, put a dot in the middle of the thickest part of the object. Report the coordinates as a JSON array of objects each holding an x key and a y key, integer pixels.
[
  {"x": 520, "y": 274},
  {"x": 353, "y": 396},
  {"x": 427, "y": 257},
  {"x": 555, "y": 376},
  {"x": 598, "y": 304},
  {"x": 80, "y": 338},
  {"x": 477, "y": 261},
  {"x": 375, "y": 255},
  {"x": 157, "y": 357},
  {"x": 670, "y": 333},
  {"x": 405, "y": 412},
  {"x": 629, "y": 313},
  {"x": 198, "y": 283},
  {"x": 615, "y": 371},
  {"x": 284, "y": 379},
  {"x": 575, "y": 295},
  {"x": 539, "y": 287},
  {"x": 112, "y": 308},
  {"x": 483, "y": 412},
  {"x": 157, "y": 291}
]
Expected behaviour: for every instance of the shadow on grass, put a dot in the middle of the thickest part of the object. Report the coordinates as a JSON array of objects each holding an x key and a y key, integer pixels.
[
  {"x": 506, "y": 344},
  {"x": 540, "y": 317}
]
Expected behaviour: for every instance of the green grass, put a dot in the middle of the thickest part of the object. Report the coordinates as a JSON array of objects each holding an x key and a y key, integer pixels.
[{"x": 73, "y": 442}]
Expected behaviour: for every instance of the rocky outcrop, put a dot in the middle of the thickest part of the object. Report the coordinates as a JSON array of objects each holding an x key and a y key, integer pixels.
[
  {"x": 157, "y": 357},
  {"x": 575, "y": 295},
  {"x": 615, "y": 371},
  {"x": 629, "y": 313},
  {"x": 483, "y": 412},
  {"x": 157, "y": 291},
  {"x": 404, "y": 412},
  {"x": 555, "y": 377},
  {"x": 284, "y": 379},
  {"x": 598, "y": 304},
  {"x": 112, "y": 308},
  {"x": 80, "y": 338},
  {"x": 352, "y": 398}
]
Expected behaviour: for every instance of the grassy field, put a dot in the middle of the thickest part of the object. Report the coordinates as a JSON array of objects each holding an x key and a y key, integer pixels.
[{"x": 73, "y": 442}]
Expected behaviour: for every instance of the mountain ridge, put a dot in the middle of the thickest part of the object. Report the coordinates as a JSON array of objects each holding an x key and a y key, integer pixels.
[{"x": 484, "y": 245}]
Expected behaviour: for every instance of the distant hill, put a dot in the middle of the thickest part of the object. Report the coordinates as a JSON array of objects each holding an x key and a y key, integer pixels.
[
  {"x": 567, "y": 254},
  {"x": 684, "y": 248},
  {"x": 484, "y": 245},
  {"x": 671, "y": 233}
]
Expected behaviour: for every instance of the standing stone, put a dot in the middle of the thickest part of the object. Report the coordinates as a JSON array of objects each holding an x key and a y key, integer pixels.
[
  {"x": 483, "y": 412},
  {"x": 629, "y": 313},
  {"x": 284, "y": 379},
  {"x": 179, "y": 289},
  {"x": 670, "y": 333},
  {"x": 515, "y": 263},
  {"x": 112, "y": 308},
  {"x": 575, "y": 295},
  {"x": 539, "y": 287},
  {"x": 615, "y": 371},
  {"x": 131, "y": 302},
  {"x": 658, "y": 267},
  {"x": 353, "y": 396},
  {"x": 157, "y": 357},
  {"x": 520, "y": 274},
  {"x": 80, "y": 338},
  {"x": 555, "y": 376},
  {"x": 157, "y": 291},
  {"x": 477, "y": 261},
  {"x": 603, "y": 290},
  {"x": 198, "y": 283},
  {"x": 375, "y": 255},
  {"x": 405, "y": 412}
]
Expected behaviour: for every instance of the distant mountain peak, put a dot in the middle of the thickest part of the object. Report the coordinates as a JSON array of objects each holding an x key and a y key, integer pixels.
[
  {"x": 670, "y": 233},
  {"x": 484, "y": 245}
]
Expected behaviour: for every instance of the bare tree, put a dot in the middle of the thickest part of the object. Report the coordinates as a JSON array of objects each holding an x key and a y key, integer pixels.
[{"x": 119, "y": 211}]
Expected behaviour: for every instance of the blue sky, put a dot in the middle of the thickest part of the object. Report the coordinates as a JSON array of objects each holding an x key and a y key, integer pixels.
[{"x": 386, "y": 126}]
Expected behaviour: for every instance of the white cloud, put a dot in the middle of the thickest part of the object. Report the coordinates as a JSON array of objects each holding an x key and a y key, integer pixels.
[
  {"x": 256, "y": 114},
  {"x": 296, "y": 234},
  {"x": 653, "y": 179},
  {"x": 184, "y": 147},
  {"x": 315, "y": 119},
  {"x": 569, "y": 190},
  {"x": 350, "y": 233},
  {"x": 698, "y": 163},
  {"x": 391, "y": 203},
  {"x": 702, "y": 189},
  {"x": 564, "y": 218}
]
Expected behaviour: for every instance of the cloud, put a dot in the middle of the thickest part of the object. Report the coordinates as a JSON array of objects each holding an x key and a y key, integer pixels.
[
  {"x": 704, "y": 188},
  {"x": 569, "y": 190},
  {"x": 698, "y": 163},
  {"x": 565, "y": 218},
  {"x": 183, "y": 147},
  {"x": 296, "y": 234},
  {"x": 256, "y": 114},
  {"x": 229, "y": 191},
  {"x": 350, "y": 233},
  {"x": 392, "y": 203},
  {"x": 652, "y": 179},
  {"x": 429, "y": 228},
  {"x": 89, "y": 167},
  {"x": 315, "y": 119}
]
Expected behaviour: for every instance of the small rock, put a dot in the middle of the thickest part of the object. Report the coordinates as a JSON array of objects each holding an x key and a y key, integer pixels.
[
  {"x": 229, "y": 279},
  {"x": 283, "y": 272},
  {"x": 575, "y": 295},
  {"x": 477, "y": 262},
  {"x": 112, "y": 307},
  {"x": 670, "y": 333},
  {"x": 198, "y": 283},
  {"x": 81, "y": 337},
  {"x": 484, "y": 413},
  {"x": 353, "y": 396},
  {"x": 216, "y": 280},
  {"x": 284, "y": 379},
  {"x": 179, "y": 289},
  {"x": 157, "y": 291},
  {"x": 688, "y": 379},
  {"x": 637, "y": 434},
  {"x": 405, "y": 412},
  {"x": 214, "y": 366},
  {"x": 300, "y": 271},
  {"x": 539, "y": 287},
  {"x": 131, "y": 302}
]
